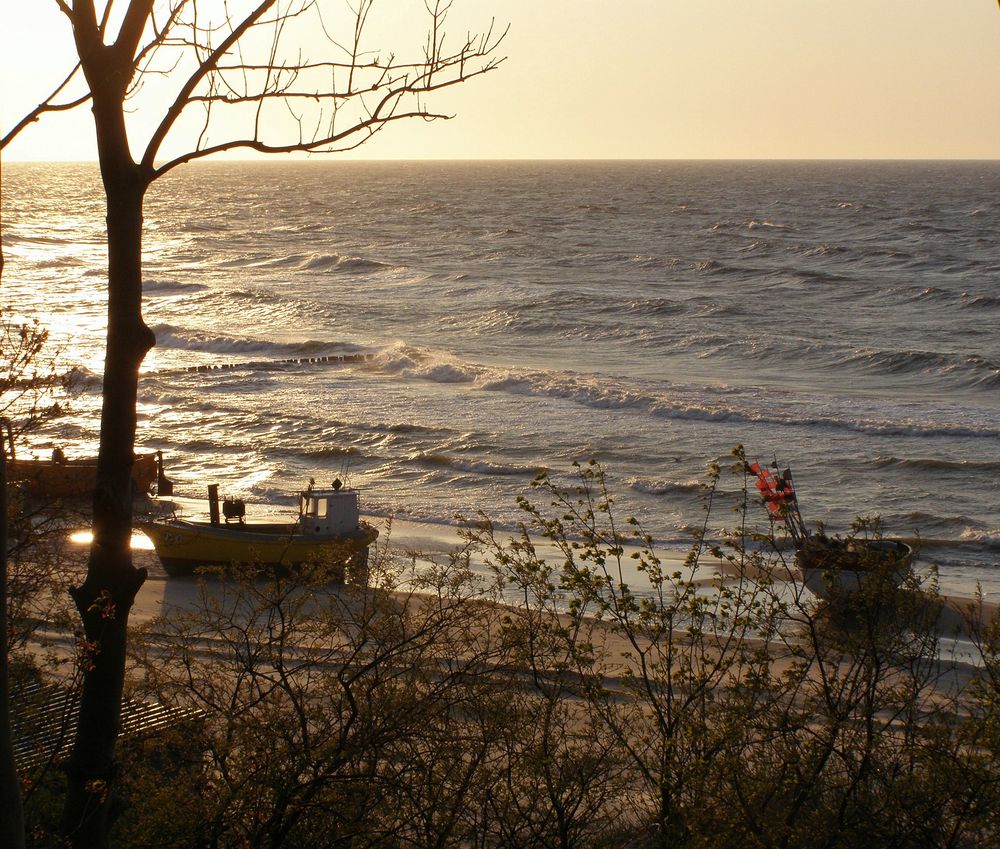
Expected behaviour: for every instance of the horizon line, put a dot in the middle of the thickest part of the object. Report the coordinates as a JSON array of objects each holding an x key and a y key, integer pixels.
[{"x": 326, "y": 158}]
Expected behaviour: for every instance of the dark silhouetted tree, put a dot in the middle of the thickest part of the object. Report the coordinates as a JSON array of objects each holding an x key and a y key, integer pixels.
[{"x": 230, "y": 76}]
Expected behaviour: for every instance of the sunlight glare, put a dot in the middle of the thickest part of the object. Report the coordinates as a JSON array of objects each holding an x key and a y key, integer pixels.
[{"x": 140, "y": 542}]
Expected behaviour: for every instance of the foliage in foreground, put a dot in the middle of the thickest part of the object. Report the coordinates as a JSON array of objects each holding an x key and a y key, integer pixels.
[{"x": 558, "y": 704}]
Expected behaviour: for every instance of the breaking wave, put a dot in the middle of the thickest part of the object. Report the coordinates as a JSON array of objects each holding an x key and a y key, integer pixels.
[
  {"x": 168, "y": 336},
  {"x": 689, "y": 404},
  {"x": 339, "y": 263},
  {"x": 664, "y": 487}
]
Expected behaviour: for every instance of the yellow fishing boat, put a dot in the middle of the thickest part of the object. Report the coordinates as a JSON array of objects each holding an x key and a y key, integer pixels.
[{"x": 328, "y": 532}]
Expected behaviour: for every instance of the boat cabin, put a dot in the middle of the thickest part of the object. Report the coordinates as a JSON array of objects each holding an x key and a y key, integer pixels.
[{"x": 329, "y": 511}]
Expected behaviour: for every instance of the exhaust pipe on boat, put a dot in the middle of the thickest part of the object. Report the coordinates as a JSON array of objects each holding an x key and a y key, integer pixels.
[
  {"x": 164, "y": 486},
  {"x": 213, "y": 503}
]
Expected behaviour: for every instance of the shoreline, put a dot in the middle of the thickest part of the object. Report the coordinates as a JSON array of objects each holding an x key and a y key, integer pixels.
[{"x": 429, "y": 542}]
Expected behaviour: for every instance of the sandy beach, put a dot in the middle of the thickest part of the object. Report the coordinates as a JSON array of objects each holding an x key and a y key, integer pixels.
[{"x": 425, "y": 543}]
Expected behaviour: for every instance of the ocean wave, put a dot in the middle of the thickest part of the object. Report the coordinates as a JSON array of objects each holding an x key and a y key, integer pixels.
[
  {"x": 653, "y": 306},
  {"x": 497, "y": 321},
  {"x": 406, "y": 427},
  {"x": 588, "y": 326},
  {"x": 203, "y": 225},
  {"x": 664, "y": 487},
  {"x": 970, "y": 369},
  {"x": 302, "y": 227},
  {"x": 958, "y": 533},
  {"x": 770, "y": 225},
  {"x": 326, "y": 452},
  {"x": 256, "y": 297},
  {"x": 945, "y": 296},
  {"x": 987, "y": 538},
  {"x": 765, "y": 348},
  {"x": 339, "y": 263},
  {"x": 333, "y": 262},
  {"x": 647, "y": 261},
  {"x": 611, "y": 208},
  {"x": 433, "y": 369},
  {"x": 813, "y": 275},
  {"x": 175, "y": 400},
  {"x": 931, "y": 464},
  {"x": 168, "y": 336},
  {"x": 35, "y": 239},
  {"x": 468, "y": 292},
  {"x": 987, "y": 373},
  {"x": 822, "y": 250},
  {"x": 170, "y": 287},
  {"x": 82, "y": 379},
  {"x": 980, "y": 301},
  {"x": 934, "y": 293},
  {"x": 877, "y": 428},
  {"x": 711, "y": 266},
  {"x": 598, "y": 392},
  {"x": 213, "y": 446},
  {"x": 700, "y": 309},
  {"x": 434, "y": 459},
  {"x": 377, "y": 432},
  {"x": 255, "y": 260},
  {"x": 898, "y": 361}
]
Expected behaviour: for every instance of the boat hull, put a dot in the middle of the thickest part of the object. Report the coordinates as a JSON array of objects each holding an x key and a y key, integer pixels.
[
  {"x": 184, "y": 547},
  {"x": 833, "y": 570},
  {"x": 74, "y": 478}
]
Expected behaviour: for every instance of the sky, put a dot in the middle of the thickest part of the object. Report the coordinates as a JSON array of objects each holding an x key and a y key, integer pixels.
[{"x": 639, "y": 79}]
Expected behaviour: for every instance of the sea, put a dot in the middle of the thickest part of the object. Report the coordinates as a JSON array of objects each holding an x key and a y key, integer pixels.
[{"x": 438, "y": 333}]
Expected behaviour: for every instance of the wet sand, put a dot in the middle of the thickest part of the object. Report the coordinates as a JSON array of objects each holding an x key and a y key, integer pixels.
[{"x": 428, "y": 542}]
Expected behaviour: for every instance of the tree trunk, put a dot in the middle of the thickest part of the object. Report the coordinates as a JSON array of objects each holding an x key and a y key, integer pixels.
[{"x": 106, "y": 596}]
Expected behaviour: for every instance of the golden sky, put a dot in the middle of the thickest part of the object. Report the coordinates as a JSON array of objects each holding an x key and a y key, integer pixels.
[{"x": 649, "y": 79}]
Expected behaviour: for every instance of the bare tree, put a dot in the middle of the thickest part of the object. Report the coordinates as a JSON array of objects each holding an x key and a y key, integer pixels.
[
  {"x": 333, "y": 718},
  {"x": 235, "y": 76}
]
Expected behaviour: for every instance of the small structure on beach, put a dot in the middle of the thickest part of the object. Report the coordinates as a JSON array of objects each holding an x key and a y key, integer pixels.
[{"x": 44, "y": 718}]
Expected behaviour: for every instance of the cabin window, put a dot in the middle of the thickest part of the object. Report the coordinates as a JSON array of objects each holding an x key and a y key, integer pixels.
[{"x": 313, "y": 507}]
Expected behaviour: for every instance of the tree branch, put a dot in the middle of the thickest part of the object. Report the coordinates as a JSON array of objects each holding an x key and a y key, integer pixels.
[
  {"x": 133, "y": 26},
  {"x": 325, "y": 144},
  {"x": 208, "y": 65},
  {"x": 46, "y": 106}
]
